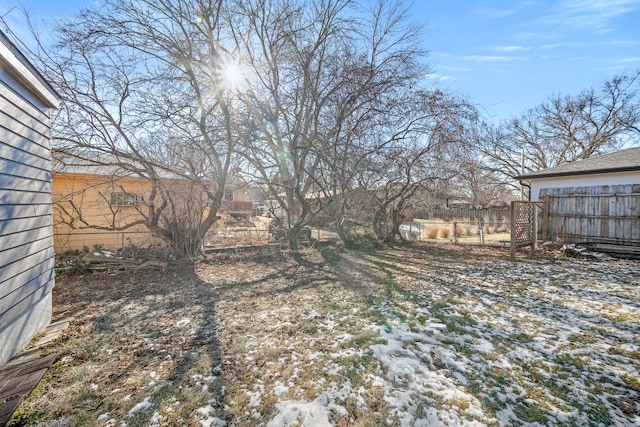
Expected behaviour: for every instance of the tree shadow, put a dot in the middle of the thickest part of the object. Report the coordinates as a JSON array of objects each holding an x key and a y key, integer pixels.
[{"x": 150, "y": 335}]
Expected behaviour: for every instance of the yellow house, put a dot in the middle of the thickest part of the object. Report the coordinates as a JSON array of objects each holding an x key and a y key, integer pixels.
[{"x": 98, "y": 206}]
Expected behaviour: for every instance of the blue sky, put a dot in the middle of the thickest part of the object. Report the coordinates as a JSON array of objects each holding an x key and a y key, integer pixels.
[
  {"x": 509, "y": 56},
  {"x": 506, "y": 56}
]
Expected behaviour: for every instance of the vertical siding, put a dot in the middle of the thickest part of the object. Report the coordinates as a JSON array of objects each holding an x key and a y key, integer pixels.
[
  {"x": 604, "y": 214},
  {"x": 26, "y": 233}
]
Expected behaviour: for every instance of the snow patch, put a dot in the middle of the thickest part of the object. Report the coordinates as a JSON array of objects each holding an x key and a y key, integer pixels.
[
  {"x": 311, "y": 414},
  {"x": 210, "y": 421},
  {"x": 182, "y": 323},
  {"x": 142, "y": 406}
]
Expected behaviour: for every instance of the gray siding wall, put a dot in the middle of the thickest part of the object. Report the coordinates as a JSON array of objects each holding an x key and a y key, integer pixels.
[{"x": 26, "y": 233}]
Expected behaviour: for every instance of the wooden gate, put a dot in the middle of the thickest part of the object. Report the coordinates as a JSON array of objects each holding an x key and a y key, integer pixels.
[{"x": 597, "y": 214}]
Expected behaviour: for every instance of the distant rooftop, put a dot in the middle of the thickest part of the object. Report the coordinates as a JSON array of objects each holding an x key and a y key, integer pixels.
[
  {"x": 620, "y": 161},
  {"x": 95, "y": 163}
]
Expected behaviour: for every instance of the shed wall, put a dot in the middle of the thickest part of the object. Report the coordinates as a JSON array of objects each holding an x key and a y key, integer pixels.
[
  {"x": 609, "y": 179},
  {"x": 26, "y": 233}
]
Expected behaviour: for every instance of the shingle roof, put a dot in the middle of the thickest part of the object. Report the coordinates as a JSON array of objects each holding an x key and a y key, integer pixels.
[
  {"x": 620, "y": 161},
  {"x": 97, "y": 164}
]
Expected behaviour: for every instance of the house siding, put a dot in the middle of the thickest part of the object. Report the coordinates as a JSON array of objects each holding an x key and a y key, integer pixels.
[
  {"x": 617, "y": 178},
  {"x": 84, "y": 219},
  {"x": 26, "y": 233},
  {"x": 90, "y": 195}
]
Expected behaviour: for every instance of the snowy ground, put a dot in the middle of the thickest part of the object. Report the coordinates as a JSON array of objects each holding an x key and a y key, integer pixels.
[{"x": 429, "y": 336}]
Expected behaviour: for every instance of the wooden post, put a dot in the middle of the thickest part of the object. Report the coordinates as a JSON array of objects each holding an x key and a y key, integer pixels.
[
  {"x": 481, "y": 227},
  {"x": 455, "y": 233},
  {"x": 513, "y": 230},
  {"x": 534, "y": 230},
  {"x": 545, "y": 217}
]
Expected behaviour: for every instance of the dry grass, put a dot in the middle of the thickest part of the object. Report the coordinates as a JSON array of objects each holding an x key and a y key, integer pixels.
[
  {"x": 238, "y": 334},
  {"x": 135, "y": 336},
  {"x": 432, "y": 233}
]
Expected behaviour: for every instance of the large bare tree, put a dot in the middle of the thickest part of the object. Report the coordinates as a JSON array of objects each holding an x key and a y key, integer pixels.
[
  {"x": 566, "y": 128},
  {"x": 416, "y": 153},
  {"x": 144, "y": 82},
  {"x": 317, "y": 97},
  {"x": 321, "y": 72}
]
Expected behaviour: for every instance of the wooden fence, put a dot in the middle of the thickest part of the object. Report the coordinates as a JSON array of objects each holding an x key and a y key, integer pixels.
[{"x": 597, "y": 214}]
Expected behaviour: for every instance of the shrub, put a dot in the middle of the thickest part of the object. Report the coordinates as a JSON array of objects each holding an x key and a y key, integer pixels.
[{"x": 361, "y": 239}]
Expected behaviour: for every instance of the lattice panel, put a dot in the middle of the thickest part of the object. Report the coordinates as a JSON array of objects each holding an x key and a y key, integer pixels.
[{"x": 523, "y": 224}]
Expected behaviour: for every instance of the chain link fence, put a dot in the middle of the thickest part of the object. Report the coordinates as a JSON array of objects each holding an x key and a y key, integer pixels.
[
  {"x": 88, "y": 241},
  {"x": 458, "y": 231},
  {"x": 224, "y": 237},
  {"x": 78, "y": 242}
]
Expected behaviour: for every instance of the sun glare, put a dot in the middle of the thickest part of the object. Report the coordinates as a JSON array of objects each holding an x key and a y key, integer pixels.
[{"x": 234, "y": 76}]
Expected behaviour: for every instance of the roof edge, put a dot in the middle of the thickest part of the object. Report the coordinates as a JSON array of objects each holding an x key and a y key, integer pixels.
[
  {"x": 20, "y": 68},
  {"x": 574, "y": 173}
]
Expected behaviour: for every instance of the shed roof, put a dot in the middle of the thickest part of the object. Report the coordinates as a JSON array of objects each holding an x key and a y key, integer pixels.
[
  {"x": 619, "y": 161},
  {"x": 19, "y": 67}
]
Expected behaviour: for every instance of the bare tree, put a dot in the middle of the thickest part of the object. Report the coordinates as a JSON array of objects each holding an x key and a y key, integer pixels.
[
  {"x": 323, "y": 71},
  {"x": 298, "y": 88},
  {"x": 143, "y": 81},
  {"x": 566, "y": 128},
  {"x": 418, "y": 153}
]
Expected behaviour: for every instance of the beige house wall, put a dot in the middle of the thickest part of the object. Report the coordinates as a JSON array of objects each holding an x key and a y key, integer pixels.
[{"x": 82, "y": 204}]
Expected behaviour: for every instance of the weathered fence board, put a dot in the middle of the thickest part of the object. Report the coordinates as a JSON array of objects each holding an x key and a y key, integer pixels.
[{"x": 599, "y": 214}]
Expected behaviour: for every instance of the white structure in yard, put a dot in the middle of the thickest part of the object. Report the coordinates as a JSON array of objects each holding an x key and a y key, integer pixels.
[
  {"x": 619, "y": 168},
  {"x": 596, "y": 200},
  {"x": 26, "y": 233}
]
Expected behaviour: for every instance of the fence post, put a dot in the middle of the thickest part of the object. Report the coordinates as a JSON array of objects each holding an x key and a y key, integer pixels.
[
  {"x": 481, "y": 227},
  {"x": 455, "y": 233},
  {"x": 545, "y": 217},
  {"x": 513, "y": 230},
  {"x": 534, "y": 226}
]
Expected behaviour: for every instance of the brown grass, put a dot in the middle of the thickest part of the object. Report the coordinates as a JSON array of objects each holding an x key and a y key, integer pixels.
[
  {"x": 231, "y": 326},
  {"x": 444, "y": 232},
  {"x": 432, "y": 233}
]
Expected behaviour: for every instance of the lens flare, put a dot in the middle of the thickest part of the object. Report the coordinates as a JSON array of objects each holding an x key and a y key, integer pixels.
[{"x": 233, "y": 76}]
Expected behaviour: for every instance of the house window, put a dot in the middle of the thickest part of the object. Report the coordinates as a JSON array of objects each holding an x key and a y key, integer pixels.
[
  {"x": 228, "y": 195},
  {"x": 124, "y": 199}
]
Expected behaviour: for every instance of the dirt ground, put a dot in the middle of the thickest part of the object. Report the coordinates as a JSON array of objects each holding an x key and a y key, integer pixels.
[{"x": 332, "y": 337}]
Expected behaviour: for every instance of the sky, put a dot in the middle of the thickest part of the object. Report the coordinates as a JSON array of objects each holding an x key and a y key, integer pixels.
[
  {"x": 509, "y": 56},
  {"x": 505, "y": 56}
]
